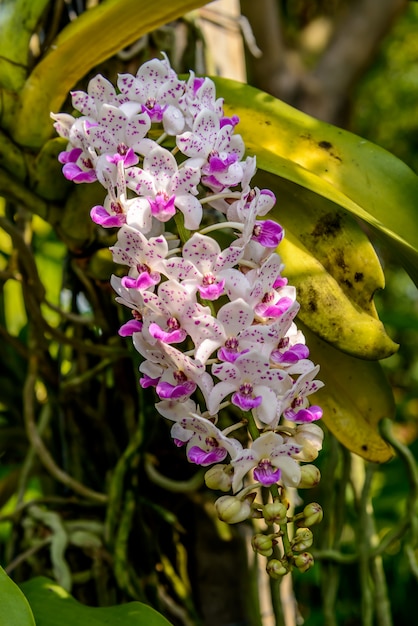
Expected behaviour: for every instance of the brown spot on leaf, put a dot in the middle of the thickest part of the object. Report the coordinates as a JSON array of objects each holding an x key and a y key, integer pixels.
[
  {"x": 328, "y": 225},
  {"x": 326, "y": 145}
]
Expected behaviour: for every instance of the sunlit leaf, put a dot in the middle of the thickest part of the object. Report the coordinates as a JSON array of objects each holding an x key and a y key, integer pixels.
[
  {"x": 52, "y": 605},
  {"x": 94, "y": 36},
  {"x": 363, "y": 178},
  {"x": 355, "y": 398}
]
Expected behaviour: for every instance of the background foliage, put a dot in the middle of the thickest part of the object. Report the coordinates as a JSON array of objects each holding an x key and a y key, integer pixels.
[{"x": 94, "y": 496}]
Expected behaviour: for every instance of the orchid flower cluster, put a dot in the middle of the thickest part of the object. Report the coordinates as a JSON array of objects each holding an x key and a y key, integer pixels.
[{"x": 212, "y": 315}]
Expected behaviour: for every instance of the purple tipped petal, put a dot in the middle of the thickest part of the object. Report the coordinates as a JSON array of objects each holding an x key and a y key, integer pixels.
[
  {"x": 202, "y": 457},
  {"x": 72, "y": 172},
  {"x": 293, "y": 355},
  {"x": 304, "y": 416},
  {"x": 69, "y": 156},
  {"x": 144, "y": 280},
  {"x": 100, "y": 216},
  {"x": 131, "y": 327},
  {"x": 229, "y": 121},
  {"x": 172, "y": 336},
  {"x": 273, "y": 310},
  {"x": 167, "y": 391},
  {"x": 147, "y": 381},
  {"x": 268, "y": 233},
  {"x": 280, "y": 282}
]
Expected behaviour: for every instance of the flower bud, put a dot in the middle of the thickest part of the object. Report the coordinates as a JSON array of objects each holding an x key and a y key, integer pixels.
[
  {"x": 309, "y": 476},
  {"x": 275, "y": 512},
  {"x": 312, "y": 514},
  {"x": 276, "y": 569},
  {"x": 303, "y": 561},
  {"x": 263, "y": 544},
  {"x": 232, "y": 510},
  {"x": 310, "y": 437},
  {"x": 302, "y": 540},
  {"x": 219, "y": 477}
]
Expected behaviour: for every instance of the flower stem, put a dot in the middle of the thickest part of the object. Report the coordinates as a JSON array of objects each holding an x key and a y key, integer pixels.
[
  {"x": 221, "y": 226},
  {"x": 252, "y": 426},
  {"x": 183, "y": 233}
]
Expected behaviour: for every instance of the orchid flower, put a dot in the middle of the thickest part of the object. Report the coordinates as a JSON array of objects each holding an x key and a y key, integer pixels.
[
  {"x": 213, "y": 317},
  {"x": 162, "y": 188},
  {"x": 201, "y": 265},
  {"x": 271, "y": 459}
]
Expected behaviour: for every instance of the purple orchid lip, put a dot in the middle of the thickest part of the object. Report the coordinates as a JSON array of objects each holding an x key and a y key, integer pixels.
[
  {"x": 246, "y": 403},
  {"x": 267, "y": 475},
  {"x": 224, "y": 354},
  {"x": 212, "y": 292}
]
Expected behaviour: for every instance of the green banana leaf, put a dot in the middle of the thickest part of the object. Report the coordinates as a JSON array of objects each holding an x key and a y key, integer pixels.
[
  {"x": 18, "y": 21},
  {"x": 14, "y": 607},
  {"x": 363, "y": 178},
  {"x": 93, "y": 37},
  {"x": 52, "y": 605}
]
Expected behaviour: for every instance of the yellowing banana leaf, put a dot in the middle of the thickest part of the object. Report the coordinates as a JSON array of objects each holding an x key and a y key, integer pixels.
[
  {"x": 94, "y": 36},
  {"x": 357, "y": 175},
  {"x": 327, "y": 310},
  {"x": 14, "y": 608},
  {"x": 331, "y": 235},
  {"x": 52, "y": 605},
  {"x": 355, "y": 398}
]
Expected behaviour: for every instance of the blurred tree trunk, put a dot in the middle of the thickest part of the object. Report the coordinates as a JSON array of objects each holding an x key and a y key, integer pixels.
[{"x": 323, "y": 91}]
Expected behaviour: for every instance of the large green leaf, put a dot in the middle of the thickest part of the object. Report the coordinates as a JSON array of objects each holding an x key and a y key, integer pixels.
[
  {"x": 355, "y": 174},
  {"x": 14, "y": 608},
  {"x": 18, "y": 20},
  {"x": 356, "y": 396},
  {"x": 87, "y": 41},
  {"x": 52, "y": 605}
]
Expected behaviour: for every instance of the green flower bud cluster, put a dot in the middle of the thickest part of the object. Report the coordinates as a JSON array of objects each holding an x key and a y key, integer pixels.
[{"x": 285, "y": 553}]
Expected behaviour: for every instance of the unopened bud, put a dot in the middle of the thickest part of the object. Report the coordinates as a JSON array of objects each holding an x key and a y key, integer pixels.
[
  {"x": 312, "y": 514},
  {"x": 276, "y": 569},
  {"x": 274, "y": 512},
  {"x": 302, "y": 540},
  {"x": 263, "y": 544},
  {"x": 219, "y": 477},
  {"x": 232, "y": 510},
  {"x": 310, "y": 437},
  {"x": 309, "y": 476},
  {"x": 303, "y": 561}
]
